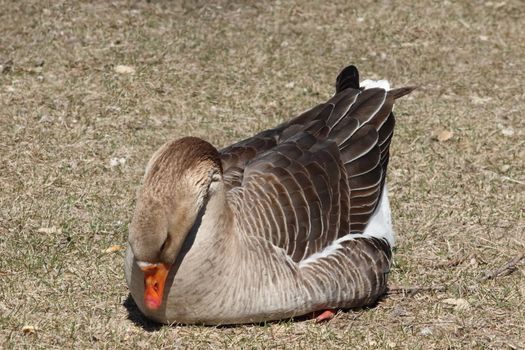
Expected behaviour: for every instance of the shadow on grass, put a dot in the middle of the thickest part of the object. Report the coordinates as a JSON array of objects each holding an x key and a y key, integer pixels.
[
  {"x": 309, "y": 317},
  {"x": 135, "y": 316}
]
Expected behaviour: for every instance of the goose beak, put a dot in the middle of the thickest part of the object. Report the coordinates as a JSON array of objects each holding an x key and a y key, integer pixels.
[{"x": 154, "y": 280}]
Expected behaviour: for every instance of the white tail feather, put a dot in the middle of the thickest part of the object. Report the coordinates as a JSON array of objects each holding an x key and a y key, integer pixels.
[{"x": 368, "y": 84}]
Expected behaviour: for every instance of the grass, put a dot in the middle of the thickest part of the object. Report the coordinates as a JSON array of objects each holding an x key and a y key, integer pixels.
[{"x": 222, "y": 72}]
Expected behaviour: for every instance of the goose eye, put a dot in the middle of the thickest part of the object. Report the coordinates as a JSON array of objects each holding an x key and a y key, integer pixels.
[
  {"x": 163, "y": 246},
  {"x": 215, "y": 177}
]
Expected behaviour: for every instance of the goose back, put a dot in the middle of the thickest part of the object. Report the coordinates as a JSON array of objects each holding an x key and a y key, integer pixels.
[{"x": 318, "y": 177}]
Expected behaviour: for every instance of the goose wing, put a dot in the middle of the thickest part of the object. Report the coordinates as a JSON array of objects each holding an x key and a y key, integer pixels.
[
  {"x": 296, "y": 196},
  {"x": 236, "y": 157},
  {"x": 318, "y": 177}
]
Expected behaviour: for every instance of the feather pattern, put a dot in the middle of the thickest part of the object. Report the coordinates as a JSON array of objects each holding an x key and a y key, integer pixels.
[
  {"x": 354, "y": 145},
  {"x": 309, "y": 221}
]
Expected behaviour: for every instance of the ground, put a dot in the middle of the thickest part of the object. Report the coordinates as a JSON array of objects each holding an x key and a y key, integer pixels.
[{"x": 88, "y": 91}]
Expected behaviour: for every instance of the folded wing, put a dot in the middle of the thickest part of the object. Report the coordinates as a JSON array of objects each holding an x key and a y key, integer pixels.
[{"x": 319, "y": 176}]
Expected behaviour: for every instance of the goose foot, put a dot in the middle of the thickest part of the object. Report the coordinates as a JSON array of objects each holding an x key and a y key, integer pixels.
[{"x": 325, "y": 316}]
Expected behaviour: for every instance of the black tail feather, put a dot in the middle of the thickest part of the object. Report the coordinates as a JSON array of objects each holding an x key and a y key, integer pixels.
[
  {"x": 348, "y": 78},
  {"x": 397, "y": 93}
]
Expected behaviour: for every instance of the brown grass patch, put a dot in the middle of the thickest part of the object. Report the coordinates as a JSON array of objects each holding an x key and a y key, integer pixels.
[{"x": 76, "y": 132}]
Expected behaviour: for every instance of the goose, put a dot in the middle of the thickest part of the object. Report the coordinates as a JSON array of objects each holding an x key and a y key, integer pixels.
[{"x": 291, "y": 221}]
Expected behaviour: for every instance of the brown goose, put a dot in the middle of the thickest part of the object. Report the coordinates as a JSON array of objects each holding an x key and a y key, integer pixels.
[{"x": 293, "y": 220}]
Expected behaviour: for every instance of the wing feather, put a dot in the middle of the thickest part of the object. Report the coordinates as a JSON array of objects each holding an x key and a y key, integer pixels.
[{"x": 319, "y": 176}]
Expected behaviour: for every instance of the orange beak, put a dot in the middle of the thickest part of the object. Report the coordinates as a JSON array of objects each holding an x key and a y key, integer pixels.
[{"x": 154, "y": 280}]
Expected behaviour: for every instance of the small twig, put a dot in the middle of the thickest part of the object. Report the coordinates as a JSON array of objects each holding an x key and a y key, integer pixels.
[
  {"x": 505, "y": 270},
  {"x": 416, "y": 289},
  {"x": 513, "y": 180},
  {"x": 503, "y": 177},
  {"x": 450, "y": 263}
]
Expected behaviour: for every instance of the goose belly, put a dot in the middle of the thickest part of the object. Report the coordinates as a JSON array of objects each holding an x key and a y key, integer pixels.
[{"x": 258, "y": 288}]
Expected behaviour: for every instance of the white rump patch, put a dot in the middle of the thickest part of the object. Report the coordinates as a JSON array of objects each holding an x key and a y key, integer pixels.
[
  {"x": 369, "y": 84},
  {"x": 380, "y": 226}
]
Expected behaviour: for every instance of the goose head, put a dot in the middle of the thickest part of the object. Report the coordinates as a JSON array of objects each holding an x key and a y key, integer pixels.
[{"x": 180, "y": 178}]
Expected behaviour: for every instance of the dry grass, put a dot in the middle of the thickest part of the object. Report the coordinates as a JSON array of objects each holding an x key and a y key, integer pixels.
[{"x": 222, "y": 72}]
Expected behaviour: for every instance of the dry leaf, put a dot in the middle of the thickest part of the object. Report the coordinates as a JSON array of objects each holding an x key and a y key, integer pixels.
[
  {"x": 113, "y": 162},
  {"x": 460, "y": 304},
  {"x": 29, "y": 329},
  {"x": 49, "y": 230},
  {"x": 121, "y": 69},
  {"x": 442, "y": 135},
  {"x": 507, "y": 131},
  {"x": 114, "y": 248},
  {"x": 426, "y": 331},
  {"x": 477, "y": 100}
]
